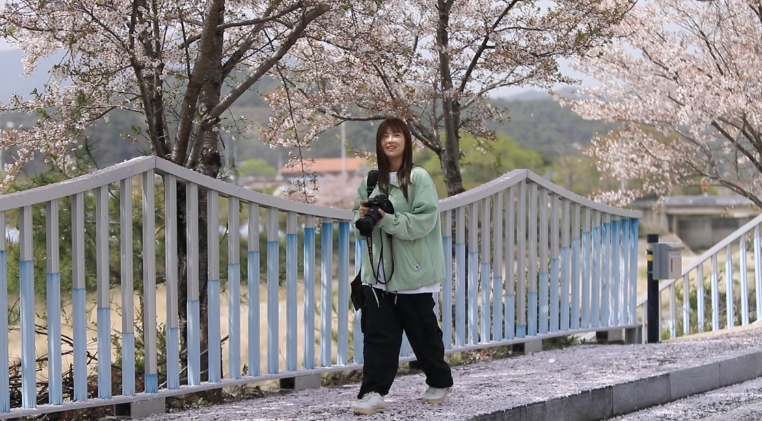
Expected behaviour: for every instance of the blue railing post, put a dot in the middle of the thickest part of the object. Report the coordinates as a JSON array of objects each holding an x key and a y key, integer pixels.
[
  {"x": 447, "y": 284},
  {"x": 26, "y": 310},
  {"x": 5, "y": 398},
  {"x": 253, "y": 280},
  {"x": 273, "y": 286},
  {"x": 309, "y": 293}
]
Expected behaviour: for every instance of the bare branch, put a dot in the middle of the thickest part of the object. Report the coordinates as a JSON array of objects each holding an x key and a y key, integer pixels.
[{"x": 295, "y": 34}]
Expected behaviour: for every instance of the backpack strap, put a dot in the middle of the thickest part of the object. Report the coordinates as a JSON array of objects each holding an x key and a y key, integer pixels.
[{"x": 372, "y": 181}]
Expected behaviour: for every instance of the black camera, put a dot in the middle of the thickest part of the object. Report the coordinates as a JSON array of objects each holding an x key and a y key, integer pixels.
[{"x": 366, "y": 223}]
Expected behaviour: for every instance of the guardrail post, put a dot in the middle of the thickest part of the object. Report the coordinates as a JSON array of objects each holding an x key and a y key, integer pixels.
[{"x": 653, "y": 292}]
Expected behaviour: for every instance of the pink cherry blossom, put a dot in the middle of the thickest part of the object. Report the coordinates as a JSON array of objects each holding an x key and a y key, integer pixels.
[{"x": 683, "y": 80}]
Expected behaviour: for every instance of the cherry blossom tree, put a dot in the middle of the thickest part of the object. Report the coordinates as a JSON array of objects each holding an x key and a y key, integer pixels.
[
  {"x": 179, "y": 64},
  {"x": 682, "y": 77},
  {"x": 167, "y": 60},
  {"x": 431, "y": 62}
]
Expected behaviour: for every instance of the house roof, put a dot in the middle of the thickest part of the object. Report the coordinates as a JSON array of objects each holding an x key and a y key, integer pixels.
[{"x": 328, "y": 165}]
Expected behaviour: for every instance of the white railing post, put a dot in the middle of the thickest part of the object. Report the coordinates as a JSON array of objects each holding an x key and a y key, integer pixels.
[
  {"x": 128, "y": 312},
  {"x": 53, "y": 292},
  {"x": 234, "y": 289},
  {"x": 103, "y": 302},
  {"x": 193, "y": 278},
  {"x": 172, "y": 282},
  {"x": 544, "y": 310}
]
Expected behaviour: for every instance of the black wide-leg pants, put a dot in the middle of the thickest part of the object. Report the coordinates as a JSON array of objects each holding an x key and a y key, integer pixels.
[{"x": 385, "y": 316}]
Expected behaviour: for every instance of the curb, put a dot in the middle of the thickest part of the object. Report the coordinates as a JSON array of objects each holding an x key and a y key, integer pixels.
[{"x": 622, "y": 398}]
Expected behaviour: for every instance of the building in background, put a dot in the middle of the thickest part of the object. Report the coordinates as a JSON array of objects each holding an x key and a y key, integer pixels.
[{"x": 324, "y": 167}]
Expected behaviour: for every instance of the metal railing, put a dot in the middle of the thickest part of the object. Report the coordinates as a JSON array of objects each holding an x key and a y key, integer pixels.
[
  {"x": 720, "y": 289},
  {"x": 559, "y": 263},
  {"x": 525, "y": 260}
]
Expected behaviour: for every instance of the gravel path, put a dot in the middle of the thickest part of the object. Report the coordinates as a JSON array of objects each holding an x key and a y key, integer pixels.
[{"x": 489, "y": 387}]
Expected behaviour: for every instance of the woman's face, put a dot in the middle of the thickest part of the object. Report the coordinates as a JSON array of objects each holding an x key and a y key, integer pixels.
[{"x": 393, "y": 145}]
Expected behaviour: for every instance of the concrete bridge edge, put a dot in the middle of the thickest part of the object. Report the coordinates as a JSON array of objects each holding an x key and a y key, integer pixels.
[{"x": 623, "y": 398}]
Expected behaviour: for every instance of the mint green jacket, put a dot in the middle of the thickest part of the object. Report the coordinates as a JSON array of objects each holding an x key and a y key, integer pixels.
[{"x": 417, "y": 235}]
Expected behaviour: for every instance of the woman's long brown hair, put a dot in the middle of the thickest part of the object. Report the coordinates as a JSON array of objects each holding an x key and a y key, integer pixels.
[{"x": 394, "y": 125}]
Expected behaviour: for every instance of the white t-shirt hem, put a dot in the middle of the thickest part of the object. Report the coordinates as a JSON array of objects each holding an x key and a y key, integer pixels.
[{"x": 432, "y": 289}]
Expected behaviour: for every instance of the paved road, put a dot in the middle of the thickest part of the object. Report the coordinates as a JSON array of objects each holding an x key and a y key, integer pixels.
[{"x": 741, "y": 402}]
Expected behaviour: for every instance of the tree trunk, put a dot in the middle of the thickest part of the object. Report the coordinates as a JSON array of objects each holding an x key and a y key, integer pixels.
[
  {"x": 450, "y": 156},
  {"x": 209, "y": 164},
  {"x": 450, "y": 161}
]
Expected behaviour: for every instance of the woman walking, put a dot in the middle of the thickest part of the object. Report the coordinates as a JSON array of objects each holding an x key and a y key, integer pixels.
[{"x": 402, "y": 271}]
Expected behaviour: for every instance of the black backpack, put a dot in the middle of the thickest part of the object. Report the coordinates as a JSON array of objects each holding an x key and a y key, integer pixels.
[{"x": 356, "y": 286}]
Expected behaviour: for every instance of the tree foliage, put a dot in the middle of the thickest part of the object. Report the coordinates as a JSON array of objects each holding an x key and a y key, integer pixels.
[
  {"x": 580, "y": 175},
  {"x": 431, "y": 62},
  {"x": 681, "y": 77},
  {"x": 256, "y": 167},
  {"x": 483, "y": 165}
]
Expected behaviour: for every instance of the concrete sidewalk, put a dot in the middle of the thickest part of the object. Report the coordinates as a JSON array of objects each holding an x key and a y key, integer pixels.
[{"x": 587, "y": 382}]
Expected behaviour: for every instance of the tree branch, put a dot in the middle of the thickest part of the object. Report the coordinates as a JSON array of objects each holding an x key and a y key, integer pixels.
[
  {"x": 258, "y": 21},
  {"x": 295, "y": 34},
  {"x": 238, "y": 55},
  {"x": 738, "y": 146},
  {"x": 484, "y": 47}
]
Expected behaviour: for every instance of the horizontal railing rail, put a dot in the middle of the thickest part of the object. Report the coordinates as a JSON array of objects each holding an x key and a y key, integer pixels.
[
  {"x": 132, "y": 252},
  {"x": 516, "y": 176}
]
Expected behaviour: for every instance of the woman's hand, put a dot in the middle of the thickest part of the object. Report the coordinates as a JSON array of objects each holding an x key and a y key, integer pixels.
[{"x": 362, "y": 210}]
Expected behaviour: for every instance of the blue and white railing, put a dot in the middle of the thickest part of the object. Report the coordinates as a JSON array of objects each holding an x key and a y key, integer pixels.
[
  {"x": 549, "y": 263},
  {"x": 526, "y": 260},
  {"x": 720, "y": 289}
]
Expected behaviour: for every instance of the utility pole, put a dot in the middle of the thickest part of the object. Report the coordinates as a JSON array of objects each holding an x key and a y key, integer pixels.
[
  {"x": 652, "y": 307},
  {"x": 343, "y": 150}
]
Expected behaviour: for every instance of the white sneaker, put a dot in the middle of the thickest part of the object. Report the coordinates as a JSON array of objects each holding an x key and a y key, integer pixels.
[
  {"x": 435, "y": 395},
  {"x": 370, "y": 404}
]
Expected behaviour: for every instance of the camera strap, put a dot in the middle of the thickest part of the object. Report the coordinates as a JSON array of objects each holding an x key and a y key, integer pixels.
[
  {"x": 369, "y": 242},
  {"x": 371, "y": 185}
]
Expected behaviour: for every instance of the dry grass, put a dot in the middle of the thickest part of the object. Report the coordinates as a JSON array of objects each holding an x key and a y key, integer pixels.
[{"x": 161, "y": 311}]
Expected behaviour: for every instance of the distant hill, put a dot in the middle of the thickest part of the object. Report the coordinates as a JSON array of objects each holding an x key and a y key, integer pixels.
[{"x": 543, "y": 125}]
